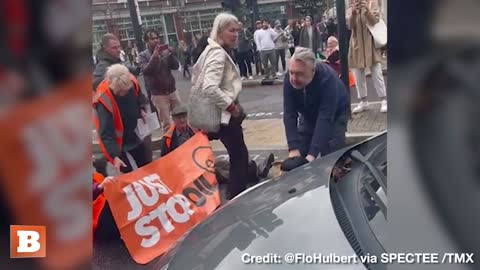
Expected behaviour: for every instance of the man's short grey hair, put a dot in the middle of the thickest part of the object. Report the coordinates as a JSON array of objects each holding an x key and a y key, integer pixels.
[
  {"x": 304, "y": 55},
  {"x": 118, "y": 77},
  {"x": 106, "y": 39},
  {"x": 221, "y": 22}
]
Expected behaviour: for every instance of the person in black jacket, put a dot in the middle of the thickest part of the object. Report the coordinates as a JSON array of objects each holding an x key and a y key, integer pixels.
[
  {"x": 313, "y": 91},
  {"x": 108, "y": 55}
]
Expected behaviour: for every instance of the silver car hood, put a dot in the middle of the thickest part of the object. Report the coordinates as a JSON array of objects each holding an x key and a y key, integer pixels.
[{"x": 292, "y": 214}]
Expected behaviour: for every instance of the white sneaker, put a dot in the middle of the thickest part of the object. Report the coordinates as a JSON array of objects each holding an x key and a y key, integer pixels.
[
  {"x": 384, "y": 107},
  {"x": 279, "y": 74},
  {"x": 243, "y": 78},
  {"x": 360, "y": 107},
  {"x": 250, "y": 78}
]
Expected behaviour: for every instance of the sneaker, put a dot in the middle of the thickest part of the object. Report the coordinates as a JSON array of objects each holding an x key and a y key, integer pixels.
[
  {"x": 384, "y": 107},
  {"x": 243, "y": 78},
  {"x": 360, "y": 107},
  {"x": 279, "y": 73},
  {"x": 250, "y": 78}
]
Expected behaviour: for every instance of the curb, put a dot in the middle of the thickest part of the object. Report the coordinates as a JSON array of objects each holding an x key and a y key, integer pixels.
[
  {"x": 351, "y": 138},
  {"x": 259, "y": 82}
]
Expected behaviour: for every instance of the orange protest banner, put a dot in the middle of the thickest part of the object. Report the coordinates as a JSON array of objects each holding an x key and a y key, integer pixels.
[
  {"x": 46, "y": 166},
  {"x": 155, "y": 205}
]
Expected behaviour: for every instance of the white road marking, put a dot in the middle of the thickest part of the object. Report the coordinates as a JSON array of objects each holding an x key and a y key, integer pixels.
[{"x": 266, "y": 114}]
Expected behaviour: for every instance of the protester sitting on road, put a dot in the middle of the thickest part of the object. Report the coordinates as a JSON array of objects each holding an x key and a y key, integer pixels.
[
  {"x": 118, "y": 103},
  {"x": 180, "y": 132},
  {"x": 98, "y": 200},
  {"x": 314, "y": 91}
]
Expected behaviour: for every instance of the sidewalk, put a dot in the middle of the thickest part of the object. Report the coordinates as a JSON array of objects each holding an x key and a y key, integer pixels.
[{"x": 270, "y": 134}]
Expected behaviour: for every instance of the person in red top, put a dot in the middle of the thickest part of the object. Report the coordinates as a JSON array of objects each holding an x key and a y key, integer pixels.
[{"x": 118, "y": 104}]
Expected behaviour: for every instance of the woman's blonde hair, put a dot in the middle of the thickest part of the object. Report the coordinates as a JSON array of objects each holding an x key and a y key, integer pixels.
[
  {"x": 221, "y": 22},
  {"x": 118, "y": 77}
]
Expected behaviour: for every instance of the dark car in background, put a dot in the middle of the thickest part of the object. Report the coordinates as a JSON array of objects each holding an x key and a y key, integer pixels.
[{"x": 334, "y": 206}]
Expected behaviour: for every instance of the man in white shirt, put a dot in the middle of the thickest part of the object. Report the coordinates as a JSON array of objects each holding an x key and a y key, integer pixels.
[{"x": 264, "y": 38}]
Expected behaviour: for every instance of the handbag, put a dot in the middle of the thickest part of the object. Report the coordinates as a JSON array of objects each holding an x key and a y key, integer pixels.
[
  {"x": 379, "y": 32},
  {"x": 203, "y": 114}
]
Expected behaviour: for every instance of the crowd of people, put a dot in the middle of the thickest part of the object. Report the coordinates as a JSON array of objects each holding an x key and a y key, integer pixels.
[
  {"x": 265, "y": 47},
  {"x": 316, "y": 107}
]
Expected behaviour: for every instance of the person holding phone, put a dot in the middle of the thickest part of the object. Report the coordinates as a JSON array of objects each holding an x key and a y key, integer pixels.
[
  {"x": 157, "y": 63},
  {"x": 362, "y": 53}
]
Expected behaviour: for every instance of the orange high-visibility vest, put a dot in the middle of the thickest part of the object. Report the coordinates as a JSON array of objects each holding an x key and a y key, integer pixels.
[
  {"x": 98, "y": 203},
  {"x": 104, "y": 96},
  {"x": 167, "y": 137}
]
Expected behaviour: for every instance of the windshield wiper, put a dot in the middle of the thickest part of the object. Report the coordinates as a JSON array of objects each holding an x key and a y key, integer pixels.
[{"x": 377, "y": 175}]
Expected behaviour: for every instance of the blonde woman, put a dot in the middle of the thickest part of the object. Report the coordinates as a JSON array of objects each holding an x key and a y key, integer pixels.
[{"x": 222, "y": 85}]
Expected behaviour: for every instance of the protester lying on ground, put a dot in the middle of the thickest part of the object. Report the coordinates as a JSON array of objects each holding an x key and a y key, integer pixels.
[
  {"x": 118, "y": 104},
  {"x": 180, "y": 132},
  {"x": 313, "y": 91}
]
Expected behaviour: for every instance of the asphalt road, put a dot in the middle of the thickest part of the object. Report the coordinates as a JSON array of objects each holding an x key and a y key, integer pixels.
[{"x": 263, "y": 102}]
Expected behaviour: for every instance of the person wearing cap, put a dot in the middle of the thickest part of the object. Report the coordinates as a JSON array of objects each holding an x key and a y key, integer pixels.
[
  {"x": 179, "y": 131},
  {"x": 310, "y": 37}
]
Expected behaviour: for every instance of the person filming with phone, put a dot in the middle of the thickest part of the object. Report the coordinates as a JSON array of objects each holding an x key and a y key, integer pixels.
[
  {"x": 362, "y": 53},
  {"x": 157, "y": 63}
]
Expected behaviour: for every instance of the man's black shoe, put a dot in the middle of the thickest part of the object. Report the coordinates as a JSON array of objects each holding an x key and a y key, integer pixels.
[{"x": 265, "y": 166}]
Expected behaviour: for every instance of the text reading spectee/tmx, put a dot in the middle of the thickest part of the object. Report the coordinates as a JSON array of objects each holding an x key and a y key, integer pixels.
[{"x": 384, "y": 258}]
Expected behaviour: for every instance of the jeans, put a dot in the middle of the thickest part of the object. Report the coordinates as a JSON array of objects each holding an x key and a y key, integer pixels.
[
  {"x": 165, "y": 104},
  {"x": 244, "y": 60},
  {"x": 266, "y": 57},
  {"x": 258, "y": 63},
  {"x": 280, "y": 54}
]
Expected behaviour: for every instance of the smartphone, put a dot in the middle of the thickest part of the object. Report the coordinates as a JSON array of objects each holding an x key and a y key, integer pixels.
[{"x": 162, "y": 47}]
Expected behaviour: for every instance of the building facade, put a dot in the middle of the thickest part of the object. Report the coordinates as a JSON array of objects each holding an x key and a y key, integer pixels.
[{"x": 183, "y": 19}]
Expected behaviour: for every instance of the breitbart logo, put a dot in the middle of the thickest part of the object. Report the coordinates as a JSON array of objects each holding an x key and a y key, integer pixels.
[{"x": 27, "y": 241}]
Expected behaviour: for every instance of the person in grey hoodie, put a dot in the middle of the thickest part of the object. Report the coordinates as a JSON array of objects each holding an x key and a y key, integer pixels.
[{"x": 281, "y": 43}]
